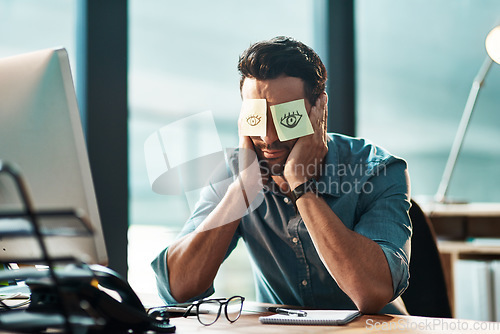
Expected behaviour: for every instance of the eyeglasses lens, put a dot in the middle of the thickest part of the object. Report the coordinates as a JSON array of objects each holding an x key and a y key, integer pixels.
[
  {"x": 208, "y": 312},
  {"x": 233, "y": 308}
]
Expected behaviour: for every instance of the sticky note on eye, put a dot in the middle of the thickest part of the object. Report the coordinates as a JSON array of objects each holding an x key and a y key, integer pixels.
[
  {"x": 253, "y": 117},
  {"x": 291, "y": 120}
]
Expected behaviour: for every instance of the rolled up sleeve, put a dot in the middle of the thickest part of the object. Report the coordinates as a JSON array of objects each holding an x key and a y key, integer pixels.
[
  {"x": 160, "y": 268},
  {"x": 385, "y": 220}
]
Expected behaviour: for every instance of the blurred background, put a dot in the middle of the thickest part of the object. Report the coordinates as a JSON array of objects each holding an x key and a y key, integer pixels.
[{"x": 414, "y": 65}]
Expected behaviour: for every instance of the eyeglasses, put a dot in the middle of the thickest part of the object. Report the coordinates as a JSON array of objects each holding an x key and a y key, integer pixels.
[{"x": 208, "y": 310}]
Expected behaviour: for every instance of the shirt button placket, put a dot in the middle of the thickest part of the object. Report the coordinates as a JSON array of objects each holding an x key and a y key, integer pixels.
[{"x": 304, "y": 279}]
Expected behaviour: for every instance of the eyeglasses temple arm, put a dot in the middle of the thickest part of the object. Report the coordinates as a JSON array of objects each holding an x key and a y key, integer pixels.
[{"x": 188, "y": 311}]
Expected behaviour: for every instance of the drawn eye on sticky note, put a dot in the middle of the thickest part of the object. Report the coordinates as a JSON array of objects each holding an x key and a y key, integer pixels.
[
  {"x": 253, "y": 117},
  {"x": 291, "y": 120}
]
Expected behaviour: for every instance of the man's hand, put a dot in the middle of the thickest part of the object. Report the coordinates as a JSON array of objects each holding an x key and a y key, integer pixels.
[
  {"x": 249, "y": 172},
  {"x": 309, "y": 151}
]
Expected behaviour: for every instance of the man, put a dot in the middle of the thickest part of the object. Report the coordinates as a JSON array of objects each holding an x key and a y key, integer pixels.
[{"x": 331, "y": 228}]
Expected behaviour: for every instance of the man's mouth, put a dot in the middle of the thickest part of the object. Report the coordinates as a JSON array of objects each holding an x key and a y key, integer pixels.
[{"x": 273, "y": 154}]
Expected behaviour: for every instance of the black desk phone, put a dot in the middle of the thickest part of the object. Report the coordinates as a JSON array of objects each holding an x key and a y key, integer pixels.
[{"x": 95, "y": 300}]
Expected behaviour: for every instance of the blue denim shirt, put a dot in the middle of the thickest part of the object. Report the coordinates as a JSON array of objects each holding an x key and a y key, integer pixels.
[{"x": 366, "y": 187}]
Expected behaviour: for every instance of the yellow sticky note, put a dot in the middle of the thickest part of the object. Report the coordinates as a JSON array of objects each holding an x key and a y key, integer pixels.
[
  {"x": 253, "y": 117},
  {"x": 291, "y": 120}
]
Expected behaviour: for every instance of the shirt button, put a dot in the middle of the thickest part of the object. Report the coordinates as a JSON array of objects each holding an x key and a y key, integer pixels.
[
  {"x": 304, "y": 282},
  {"x": 295, "y": 240},
  {"x": 286, "y": 200}
]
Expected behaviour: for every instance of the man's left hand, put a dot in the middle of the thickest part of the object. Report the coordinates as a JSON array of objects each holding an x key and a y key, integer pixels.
[{"x": 306, "y": 157}]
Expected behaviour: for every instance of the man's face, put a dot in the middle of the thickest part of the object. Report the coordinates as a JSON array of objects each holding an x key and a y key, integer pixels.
[{"x": 275, "y": 91}]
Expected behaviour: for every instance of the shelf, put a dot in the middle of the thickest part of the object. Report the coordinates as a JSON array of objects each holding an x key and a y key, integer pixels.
[
  {"x": 460, "y": 222},
  {"x": 455, "y": 225},
  {"x": 51, "y": 223}
]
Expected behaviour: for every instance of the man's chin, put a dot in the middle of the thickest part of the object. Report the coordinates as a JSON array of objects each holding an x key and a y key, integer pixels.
[{"x": 276, "y": 168}]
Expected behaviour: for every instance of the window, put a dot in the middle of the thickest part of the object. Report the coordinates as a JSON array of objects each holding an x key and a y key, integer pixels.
[
  {"x": 183, "y": 60},
  {"x": 415, "y": 64}
]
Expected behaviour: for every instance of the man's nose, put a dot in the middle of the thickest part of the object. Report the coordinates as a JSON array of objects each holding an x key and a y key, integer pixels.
[{"x": 271, "y": 134}]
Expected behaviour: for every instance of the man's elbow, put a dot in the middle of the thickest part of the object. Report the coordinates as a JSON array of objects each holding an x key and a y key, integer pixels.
[
  {"x": 371, "y": 302},
  {"x": 183, "y": 290}
]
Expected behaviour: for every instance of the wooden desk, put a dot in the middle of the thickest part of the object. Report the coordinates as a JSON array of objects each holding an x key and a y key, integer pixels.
[{"x": 249, "y": 323}]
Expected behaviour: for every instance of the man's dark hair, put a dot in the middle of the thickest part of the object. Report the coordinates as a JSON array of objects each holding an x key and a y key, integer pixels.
[{"x": 284, "y": 56}]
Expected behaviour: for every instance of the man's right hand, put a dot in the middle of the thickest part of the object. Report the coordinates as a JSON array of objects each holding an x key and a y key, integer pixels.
[{"x": 250, "y": 175}]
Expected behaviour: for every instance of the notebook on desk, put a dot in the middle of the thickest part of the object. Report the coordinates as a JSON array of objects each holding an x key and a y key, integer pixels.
[{"x": 313, "y": 317}]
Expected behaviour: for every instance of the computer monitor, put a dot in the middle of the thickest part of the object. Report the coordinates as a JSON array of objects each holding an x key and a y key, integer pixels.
[{"x": 41, "y": 134}]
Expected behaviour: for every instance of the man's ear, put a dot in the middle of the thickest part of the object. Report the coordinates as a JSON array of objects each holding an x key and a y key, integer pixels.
[
  {"x": 324, "y": 96},
  {"x": 322, "y": 103},
  {"x": 322, "y": 99}
]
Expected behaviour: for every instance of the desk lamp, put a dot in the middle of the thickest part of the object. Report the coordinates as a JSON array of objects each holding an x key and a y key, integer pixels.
[{"x": 493, "y": 50}]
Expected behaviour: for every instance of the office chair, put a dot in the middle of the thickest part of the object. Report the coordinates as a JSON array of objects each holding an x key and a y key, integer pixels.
[{"x": 426, "y": 294}]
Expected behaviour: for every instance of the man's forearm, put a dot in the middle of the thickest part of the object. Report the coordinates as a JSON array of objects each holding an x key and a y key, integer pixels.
[
  {"x": 357, "y": 263},
  {"x": 193, "y": 261}
]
